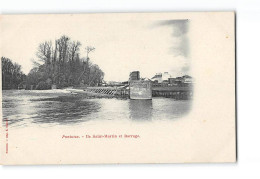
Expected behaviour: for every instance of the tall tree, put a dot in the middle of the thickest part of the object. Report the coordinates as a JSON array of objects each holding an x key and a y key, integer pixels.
[
  {"x": 12, "y": 75},
  {"x": 61, "y": 64}
]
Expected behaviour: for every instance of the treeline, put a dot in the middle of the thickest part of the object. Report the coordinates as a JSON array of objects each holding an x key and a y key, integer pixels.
[
  {"x": 12, "y": 76},
  {"x": 59, "y": 64}
]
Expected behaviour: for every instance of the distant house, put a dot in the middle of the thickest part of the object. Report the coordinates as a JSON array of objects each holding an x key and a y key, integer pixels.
[
  {"x": 173, "y": 81},
  {"x": 157, "y": 78},
  {"x": 179, "y": 80},
  {"x": 187, "y": 79},
  {"x": 183, "y": 80},
  {"x": 161, "y": 77}
]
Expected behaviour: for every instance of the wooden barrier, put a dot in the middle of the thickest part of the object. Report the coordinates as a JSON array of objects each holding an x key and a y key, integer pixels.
[{"x": 175, "y": 92}]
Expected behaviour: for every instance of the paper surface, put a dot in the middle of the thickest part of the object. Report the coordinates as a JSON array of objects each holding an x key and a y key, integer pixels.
[{"x": 187, "y": 121}]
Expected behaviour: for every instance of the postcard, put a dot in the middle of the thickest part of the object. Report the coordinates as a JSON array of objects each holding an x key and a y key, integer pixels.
[{"x": 112, "y": 88}]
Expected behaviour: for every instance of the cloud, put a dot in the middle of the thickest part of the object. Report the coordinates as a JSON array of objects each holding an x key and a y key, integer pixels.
[
  {"x": 181, "y": 27},
  {"x": 180, "y": 41}
]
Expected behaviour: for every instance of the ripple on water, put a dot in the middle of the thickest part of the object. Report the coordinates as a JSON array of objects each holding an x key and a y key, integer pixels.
[{"x": 24, "y": 108}]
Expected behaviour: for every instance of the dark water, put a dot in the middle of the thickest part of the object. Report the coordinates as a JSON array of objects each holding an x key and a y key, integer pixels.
[{"x": 57, "y": 107}]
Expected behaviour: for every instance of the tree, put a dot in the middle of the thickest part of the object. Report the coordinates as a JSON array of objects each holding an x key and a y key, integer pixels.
[
  {"x": 12, "y": 75},
  {"x": 61, "y": 64}
]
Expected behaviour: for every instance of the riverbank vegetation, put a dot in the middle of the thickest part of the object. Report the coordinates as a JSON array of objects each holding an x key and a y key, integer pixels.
[
  {"x": 12, "y": 76},
  {"x": 58, "y": 64}
]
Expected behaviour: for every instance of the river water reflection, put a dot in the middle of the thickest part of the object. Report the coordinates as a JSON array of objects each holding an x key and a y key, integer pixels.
[{"x": 24, "y": 108}]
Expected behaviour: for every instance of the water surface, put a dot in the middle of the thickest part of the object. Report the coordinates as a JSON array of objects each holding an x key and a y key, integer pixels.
[{"x": 58, "y": 107}]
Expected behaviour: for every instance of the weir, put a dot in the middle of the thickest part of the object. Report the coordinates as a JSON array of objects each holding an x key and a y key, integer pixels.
[
  {"x": 175, "y": 92},
  {"x": 102, "y": 91},
  {"x": 140, "y": 88}
]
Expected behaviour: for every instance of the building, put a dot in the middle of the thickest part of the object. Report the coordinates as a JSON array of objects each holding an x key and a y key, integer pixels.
[
  {"x": 183, "y": 81},
  {"x": 157, "y": 78},
  {"x": 179, "y": 80},
  {"x": 135, "y": 75},
  {"x": 187, "y": 79},
  {"x": 172, "y": 81},
  {"x": 166, "y": 76},
  {"x": 161, "y": 77}
]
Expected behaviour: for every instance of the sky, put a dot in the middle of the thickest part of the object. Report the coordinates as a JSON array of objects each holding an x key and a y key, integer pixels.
[{"x": 121, "y": 46}]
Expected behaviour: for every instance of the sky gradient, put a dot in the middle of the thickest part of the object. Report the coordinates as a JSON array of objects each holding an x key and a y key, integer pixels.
[{"x": 121, "y": 46}]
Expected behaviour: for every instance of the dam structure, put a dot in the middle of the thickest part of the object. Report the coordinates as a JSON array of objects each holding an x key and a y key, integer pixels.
[{"x": 137, "y": 89}]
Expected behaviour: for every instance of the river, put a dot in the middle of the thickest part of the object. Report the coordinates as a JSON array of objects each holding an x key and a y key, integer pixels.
[{"x": 59, "y": 107}]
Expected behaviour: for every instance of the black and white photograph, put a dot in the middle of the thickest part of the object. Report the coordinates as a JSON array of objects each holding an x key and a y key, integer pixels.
[
  {"x": 129, "y": 89},
  {"x": 106, "y": 88},
  {"x": 109, "y": 70}
]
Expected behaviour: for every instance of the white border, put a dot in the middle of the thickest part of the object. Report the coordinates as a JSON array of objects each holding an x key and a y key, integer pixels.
[{"x": 248, "y": 90}]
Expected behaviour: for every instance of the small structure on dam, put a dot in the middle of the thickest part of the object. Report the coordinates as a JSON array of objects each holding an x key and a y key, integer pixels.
[{"x": 139, "y": 88}]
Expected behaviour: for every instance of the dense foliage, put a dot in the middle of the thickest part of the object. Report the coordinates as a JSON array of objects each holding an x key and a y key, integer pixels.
[
  {"x": 12, "y": 76},
  {"x": 58, "y": 63}
]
